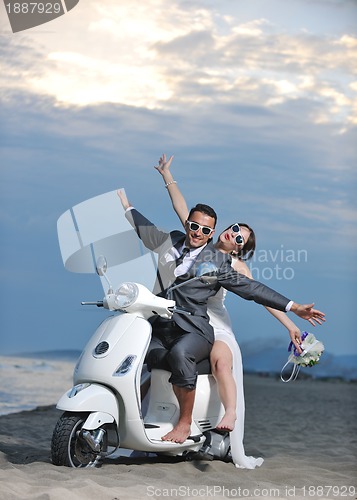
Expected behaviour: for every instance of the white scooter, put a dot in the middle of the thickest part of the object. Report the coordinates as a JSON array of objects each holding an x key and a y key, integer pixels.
[{"x": 103, "y": 410}]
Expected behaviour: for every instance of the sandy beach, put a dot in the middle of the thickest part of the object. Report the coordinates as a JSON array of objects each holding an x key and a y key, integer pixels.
[{"x": 306, "y": 431}]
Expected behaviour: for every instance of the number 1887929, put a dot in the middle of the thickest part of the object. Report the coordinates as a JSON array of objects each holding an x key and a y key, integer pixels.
[{"x": 33, "y": 8}]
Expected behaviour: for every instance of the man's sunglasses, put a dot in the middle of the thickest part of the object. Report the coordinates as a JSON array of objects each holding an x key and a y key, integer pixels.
[
  {"x": 239, "y": 238},
  {"x": 195, "y": 227}
]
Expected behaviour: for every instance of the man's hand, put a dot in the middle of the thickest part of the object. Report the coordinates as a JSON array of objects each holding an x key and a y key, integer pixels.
[
  {"x": 307, "y": 312},
  {"x": 124, "y": 200}
]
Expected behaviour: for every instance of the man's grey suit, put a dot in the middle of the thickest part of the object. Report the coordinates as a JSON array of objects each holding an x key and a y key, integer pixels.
[{"x": 195, "y": 294}]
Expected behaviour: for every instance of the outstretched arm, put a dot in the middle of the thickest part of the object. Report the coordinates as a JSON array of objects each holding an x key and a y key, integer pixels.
[
  {"x": 294, "y": 331},
  {"x": 177, "y": 199},
  {"x": 150, "y": 235},
  {"x": 304, "y": 311},
  {"x": 307, "y": 311},
  {"x": 261, "y": 294}
]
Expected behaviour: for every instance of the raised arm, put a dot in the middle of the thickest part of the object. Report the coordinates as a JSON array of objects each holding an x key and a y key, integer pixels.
[
  {"x": 150, "y": 235},
  {"x": 177, "y": 199},
  {"x": 123, "y": 198}
]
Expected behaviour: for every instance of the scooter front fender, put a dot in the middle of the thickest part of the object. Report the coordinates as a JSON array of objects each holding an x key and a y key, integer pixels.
[
  {"x": 97, "y": 419},
  {"x": 90, "y": 398}
]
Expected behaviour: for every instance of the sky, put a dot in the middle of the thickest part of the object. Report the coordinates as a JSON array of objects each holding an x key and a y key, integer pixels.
[{"x": 256, "y": 100}]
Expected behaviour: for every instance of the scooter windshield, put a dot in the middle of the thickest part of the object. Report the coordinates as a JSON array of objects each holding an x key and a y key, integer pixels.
[{"x": 98, "y": 227}]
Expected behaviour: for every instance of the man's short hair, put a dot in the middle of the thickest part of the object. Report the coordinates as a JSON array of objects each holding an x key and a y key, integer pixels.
[{"x": 205, "y": 209}]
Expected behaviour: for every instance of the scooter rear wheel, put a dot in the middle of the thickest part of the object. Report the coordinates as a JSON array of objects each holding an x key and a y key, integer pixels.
[{"x": 68, "y": 448}]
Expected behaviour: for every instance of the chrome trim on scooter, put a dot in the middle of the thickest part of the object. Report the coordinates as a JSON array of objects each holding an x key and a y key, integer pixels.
[
  {"x": 125, "y": 366},
  {"x": 101, "y": 348}
]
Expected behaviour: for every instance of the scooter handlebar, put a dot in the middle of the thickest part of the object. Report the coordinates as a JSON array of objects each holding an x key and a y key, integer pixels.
[
  {"x": 99, "y": 303},
  {"x": 180, "y": 310}
]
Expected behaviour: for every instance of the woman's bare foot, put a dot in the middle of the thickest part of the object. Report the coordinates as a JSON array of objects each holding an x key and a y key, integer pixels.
[
  {"x": 228, "y": 421},
  {"x": 179, "y": 433}
]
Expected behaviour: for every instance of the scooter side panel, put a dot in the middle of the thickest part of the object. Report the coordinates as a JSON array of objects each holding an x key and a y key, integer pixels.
[
  {"x": 120, "y": 337},
  {"x": 116, "y": 338},
  {"x": 207, "y": 411}
]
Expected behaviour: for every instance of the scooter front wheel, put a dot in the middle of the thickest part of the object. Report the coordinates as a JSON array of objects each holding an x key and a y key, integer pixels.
[{"x": 68, "y": 447}]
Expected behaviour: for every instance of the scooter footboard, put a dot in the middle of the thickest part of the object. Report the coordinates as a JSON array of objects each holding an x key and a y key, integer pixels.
[{"x": 90, "y": 398}]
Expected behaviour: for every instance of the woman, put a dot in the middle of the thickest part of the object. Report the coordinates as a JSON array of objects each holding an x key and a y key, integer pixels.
[{"x": 239, "y": 241}]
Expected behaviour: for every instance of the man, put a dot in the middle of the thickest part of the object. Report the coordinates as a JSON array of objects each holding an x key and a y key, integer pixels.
[{"x": 185, "y": 340}]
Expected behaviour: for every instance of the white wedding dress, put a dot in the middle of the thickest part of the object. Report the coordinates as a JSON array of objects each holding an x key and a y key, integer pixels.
[{"x": 220, "y": 320}]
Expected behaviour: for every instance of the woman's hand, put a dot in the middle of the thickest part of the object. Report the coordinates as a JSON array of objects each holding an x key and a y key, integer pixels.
[
  {"x": 295, "y": 336},
  {"x": 177, "y": 199},
  {"x": 124, "y": 200},
  {"x": 294, "y": 332},
  {"x": 164, "y": 165}
]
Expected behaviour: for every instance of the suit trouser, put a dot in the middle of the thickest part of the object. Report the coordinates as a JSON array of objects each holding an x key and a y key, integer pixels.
[{"x": 175, "y": 350}]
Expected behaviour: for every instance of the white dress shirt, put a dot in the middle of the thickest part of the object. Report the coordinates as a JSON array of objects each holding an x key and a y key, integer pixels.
[{"x": 174, "y": 253}]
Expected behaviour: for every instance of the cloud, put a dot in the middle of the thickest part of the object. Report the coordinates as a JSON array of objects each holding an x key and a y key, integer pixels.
[
  {"x": 333, "y": 3},
  {"x": 148, "y": 56},
  {"x": 204, "y": 83}
]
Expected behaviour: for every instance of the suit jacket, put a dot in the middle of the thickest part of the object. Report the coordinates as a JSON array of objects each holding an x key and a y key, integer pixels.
[{"x": 195, "y": 294}]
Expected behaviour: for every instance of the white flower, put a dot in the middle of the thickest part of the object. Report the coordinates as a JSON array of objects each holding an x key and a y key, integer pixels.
[{"x": 312, "y": 350}]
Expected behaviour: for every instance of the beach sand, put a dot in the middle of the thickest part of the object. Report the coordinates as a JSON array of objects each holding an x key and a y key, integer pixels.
[{"x": 305, "y": 430}]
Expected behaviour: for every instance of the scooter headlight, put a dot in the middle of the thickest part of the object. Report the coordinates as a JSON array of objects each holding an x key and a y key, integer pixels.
[{"x": 126, "y": 295}]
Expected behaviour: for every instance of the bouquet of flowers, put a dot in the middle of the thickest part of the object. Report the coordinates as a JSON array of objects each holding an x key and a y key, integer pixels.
[
  {"x": 311, "y": 351},
  {"x": 310, "y": 356}
]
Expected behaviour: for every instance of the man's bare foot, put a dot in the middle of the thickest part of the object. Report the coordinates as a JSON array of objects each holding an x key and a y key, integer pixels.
[
  {"x": 179, "y": 433},
  {"x": 228, "y": 422}
]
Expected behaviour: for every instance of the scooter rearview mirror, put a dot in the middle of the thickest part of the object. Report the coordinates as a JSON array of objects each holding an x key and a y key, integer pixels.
[
  {"x": 101, "y": 268},
  {"x": 101, "y": 265}
]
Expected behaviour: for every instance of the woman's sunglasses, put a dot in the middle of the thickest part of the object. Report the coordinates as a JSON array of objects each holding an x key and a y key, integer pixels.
[
  {"x": 239, "y": 238},
  {"x": 195, "y": 227}
]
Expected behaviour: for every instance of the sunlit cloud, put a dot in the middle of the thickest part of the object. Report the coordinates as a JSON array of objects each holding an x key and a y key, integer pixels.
[
  {"x": 160, "y": 56},
  {"x": 104, "y": 82},
  {"x": 347, "y": 41},
  {"x": 252, "y": 29}
]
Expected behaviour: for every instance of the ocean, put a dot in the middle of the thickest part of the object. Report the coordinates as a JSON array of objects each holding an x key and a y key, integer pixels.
[
  {"x": 39, "y": 379},
  {"x": 32, "y": 380}
]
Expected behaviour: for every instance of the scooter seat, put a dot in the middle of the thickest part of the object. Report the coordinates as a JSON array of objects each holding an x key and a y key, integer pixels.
[{"x": 203, "y": 367}]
